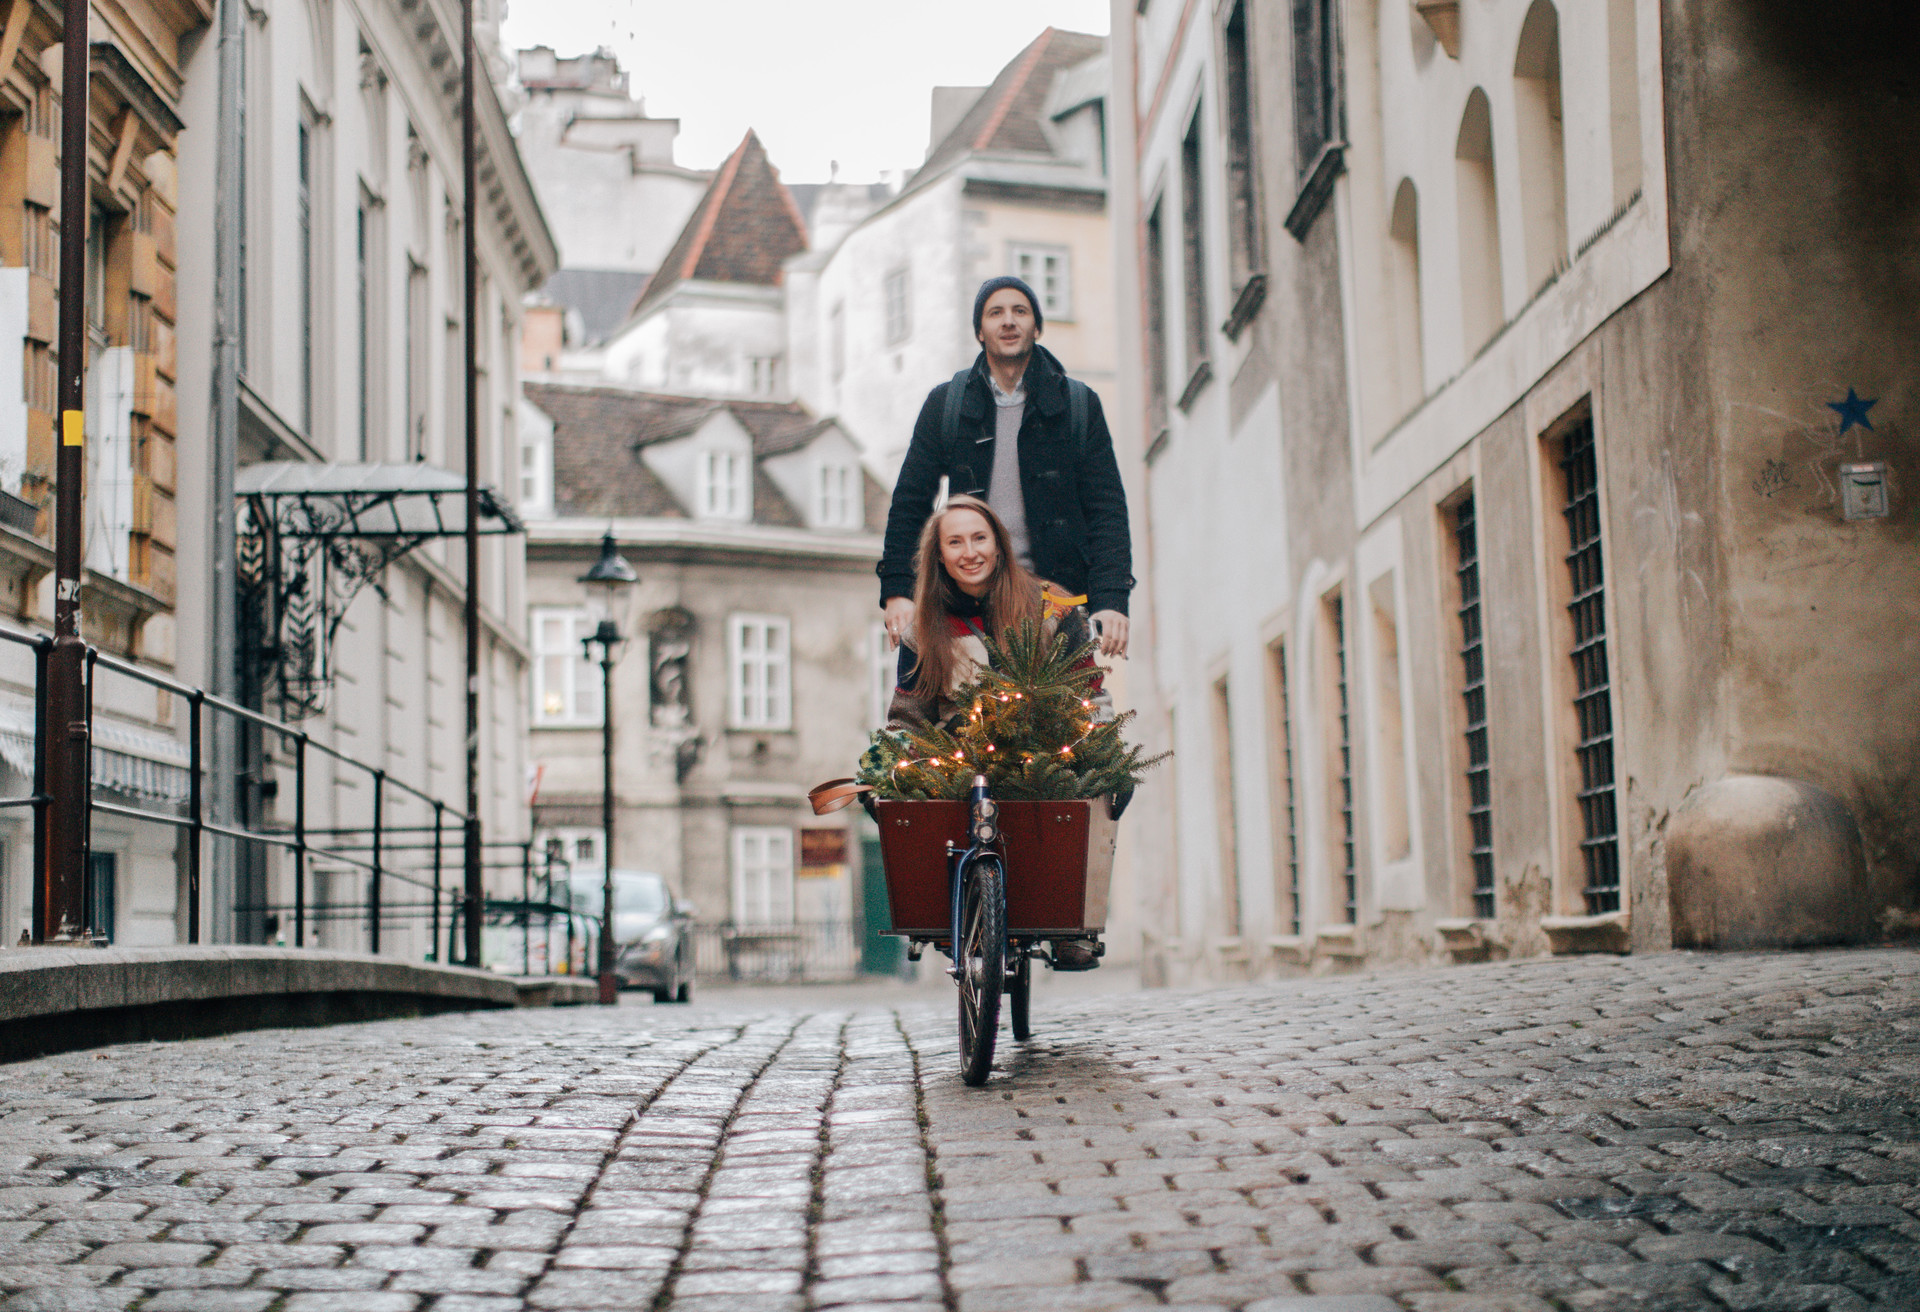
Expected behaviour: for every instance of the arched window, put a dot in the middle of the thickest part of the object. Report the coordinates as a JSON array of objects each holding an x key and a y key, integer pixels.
[
  {"x": 1543, "y": 167},
  {"x": 1403, "y": 290},
  {"x": 1481, "y": 310},
  {"x": 1623, "y": 96}
]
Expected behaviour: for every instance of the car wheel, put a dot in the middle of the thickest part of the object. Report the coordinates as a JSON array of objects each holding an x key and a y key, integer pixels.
[
  {"x": 686, "y": 991},
  {"x": 663, "y": 995}
]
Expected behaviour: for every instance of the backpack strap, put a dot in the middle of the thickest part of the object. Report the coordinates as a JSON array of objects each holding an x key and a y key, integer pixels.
[{"x": 950, "y": 417}]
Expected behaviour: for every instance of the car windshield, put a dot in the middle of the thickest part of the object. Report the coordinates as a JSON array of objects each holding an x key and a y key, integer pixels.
[{"x": 633, "y": 893}]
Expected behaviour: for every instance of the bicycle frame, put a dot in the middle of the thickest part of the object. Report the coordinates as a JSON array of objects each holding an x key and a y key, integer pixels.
[{"x": 960, "y": 863}]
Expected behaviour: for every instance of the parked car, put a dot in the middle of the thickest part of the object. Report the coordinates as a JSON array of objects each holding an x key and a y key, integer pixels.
[{"x": 653, "y": 932}]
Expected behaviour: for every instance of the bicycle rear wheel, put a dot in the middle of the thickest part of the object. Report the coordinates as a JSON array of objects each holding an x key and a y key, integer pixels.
[
  {"x": 981, "y": 959},
  {"x": 1019, "y": 991}
]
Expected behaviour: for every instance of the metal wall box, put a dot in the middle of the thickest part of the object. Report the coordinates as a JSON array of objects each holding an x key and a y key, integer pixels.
[{"x": 1863, "y": 490}]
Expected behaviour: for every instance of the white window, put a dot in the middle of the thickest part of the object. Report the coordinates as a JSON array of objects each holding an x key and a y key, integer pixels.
[
  {"x": 571, "y": 849},
  {"x": 762, "y": 876},
  {"x": 759, "y": 672},
  {"x": 723, "y": 485},
  {"x": 896, "y": 296},
  {"x": 838, "y": 502},
  {"x": 536, "y": 470},
  {"x": 883, "y": 665},
  {"x": 1048, "y": 271},
  {"x": 566, "y": 686},
  {"x": 763, "y": 375}
]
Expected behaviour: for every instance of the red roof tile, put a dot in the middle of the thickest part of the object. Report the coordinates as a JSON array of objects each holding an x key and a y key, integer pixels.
[
  {"x": 1007, "y": 115},
  {"x": 741, "y": 231},
  {"x": 597, "y": 433}
]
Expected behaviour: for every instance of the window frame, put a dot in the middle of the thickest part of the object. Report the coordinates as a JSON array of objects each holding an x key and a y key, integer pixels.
[
  {"x": 769, "y": 708},
  {"x": 727, "y": 497},
  {"x": 1319, "y": 110},
  {"x": 1198, "y": 323},
  {"x": 741, "y": 837},
  {"x": 570, "y": 836},
  {"x": 1154, "y": 237},
  {"x": 896, "y": 298},
  {"x": 579, "y": 619},
  {"x": 1056, "y": 309},
  {"x": 1246, "y": 246},
  {"x": 841, "y": 508},
  {"x": 536, "y": 468}
]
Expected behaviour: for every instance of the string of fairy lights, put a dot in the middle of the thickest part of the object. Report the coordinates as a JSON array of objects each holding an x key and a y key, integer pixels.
[{"x": 974, "y": 714}]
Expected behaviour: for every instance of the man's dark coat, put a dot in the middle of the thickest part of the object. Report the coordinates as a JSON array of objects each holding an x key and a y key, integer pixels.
[{"x": 1076, "y": 507}]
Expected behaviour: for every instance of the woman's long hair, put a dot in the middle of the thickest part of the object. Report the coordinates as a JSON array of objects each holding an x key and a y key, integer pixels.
[{"x": 1013, "y": 596}]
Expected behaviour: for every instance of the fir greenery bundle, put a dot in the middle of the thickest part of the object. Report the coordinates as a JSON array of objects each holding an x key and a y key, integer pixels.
[{"x": 1027, "y": 723}]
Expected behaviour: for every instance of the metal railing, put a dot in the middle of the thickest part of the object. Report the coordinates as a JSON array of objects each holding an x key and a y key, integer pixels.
[
  {"x": 777, "y": 953},
  {"x": 525, "y": 927},
  {"x": 416, "y": 856}
]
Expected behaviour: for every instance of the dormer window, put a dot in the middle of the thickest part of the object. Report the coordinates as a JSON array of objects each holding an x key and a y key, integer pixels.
[
  {"x": 536, "y": 471},
  {"x": 838, "y": 502},
  {"x": 723, "y": 485}
]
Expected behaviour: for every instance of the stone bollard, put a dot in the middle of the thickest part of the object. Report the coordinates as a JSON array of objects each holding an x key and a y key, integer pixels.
[{"x": 1756, "y": 862}]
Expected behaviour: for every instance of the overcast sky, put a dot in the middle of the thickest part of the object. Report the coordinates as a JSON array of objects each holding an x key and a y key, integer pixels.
[{"x": 820, "y": 80}]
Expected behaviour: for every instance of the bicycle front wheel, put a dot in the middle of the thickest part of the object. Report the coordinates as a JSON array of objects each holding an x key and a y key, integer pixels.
[{"x": 982, "y": 963}]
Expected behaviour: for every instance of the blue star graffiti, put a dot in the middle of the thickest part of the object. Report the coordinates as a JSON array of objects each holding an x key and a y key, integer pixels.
[{"x": 1853, "y": 411}]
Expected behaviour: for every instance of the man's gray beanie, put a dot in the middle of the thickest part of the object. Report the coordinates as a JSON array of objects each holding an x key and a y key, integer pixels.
[{"x": 992, "y": 285}]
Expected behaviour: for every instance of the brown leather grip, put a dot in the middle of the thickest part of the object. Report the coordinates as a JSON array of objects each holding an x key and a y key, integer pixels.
[{"x": 835, "y": 794}]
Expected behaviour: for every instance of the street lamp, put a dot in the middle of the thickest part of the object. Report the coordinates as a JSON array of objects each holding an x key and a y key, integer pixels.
[{"x": 609, "y": 581}]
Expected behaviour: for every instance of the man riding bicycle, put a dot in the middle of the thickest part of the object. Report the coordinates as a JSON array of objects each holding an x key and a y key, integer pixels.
[
  {"x": 1033, "y": 444},
  {"x": 1014, "y": 431}
]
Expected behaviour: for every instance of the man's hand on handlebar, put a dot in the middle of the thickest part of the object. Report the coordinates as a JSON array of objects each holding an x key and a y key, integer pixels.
[
  {"x": 1112, "y": 628},
  {"x": 899, "y": 618}
]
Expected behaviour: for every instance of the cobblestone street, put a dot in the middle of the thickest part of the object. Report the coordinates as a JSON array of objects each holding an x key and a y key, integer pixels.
[{"x": 1671, "y": 1131}]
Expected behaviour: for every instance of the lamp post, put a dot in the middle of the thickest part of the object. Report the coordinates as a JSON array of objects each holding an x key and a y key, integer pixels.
[{"x": 610, "y": 581}]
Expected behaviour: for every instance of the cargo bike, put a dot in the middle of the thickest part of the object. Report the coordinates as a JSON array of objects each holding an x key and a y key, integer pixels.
[{"x": 994, "y": 886}]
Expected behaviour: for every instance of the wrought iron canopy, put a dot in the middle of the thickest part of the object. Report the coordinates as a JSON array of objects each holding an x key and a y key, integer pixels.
[
  {"x": 370, "y": 501},
  {"x": 311, "y": 536}
]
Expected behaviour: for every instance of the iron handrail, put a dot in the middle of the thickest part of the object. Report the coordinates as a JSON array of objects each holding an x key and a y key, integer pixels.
[{"x": 298, "y": 839}]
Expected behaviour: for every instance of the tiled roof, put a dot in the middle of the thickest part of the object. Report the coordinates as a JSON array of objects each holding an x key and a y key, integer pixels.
[
  {"x": 1007, "y": 115},
  {"x": 741, "y": 231},
  {"x": 598, "y": 431},
  {"x": 595, "y": 469}
]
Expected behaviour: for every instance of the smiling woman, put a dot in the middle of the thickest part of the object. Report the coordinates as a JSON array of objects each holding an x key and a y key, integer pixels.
[{"x": 966, "y": 582}]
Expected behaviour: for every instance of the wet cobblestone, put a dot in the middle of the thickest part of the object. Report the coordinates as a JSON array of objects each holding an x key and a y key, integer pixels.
[{"x": 1665, "y": 1132}]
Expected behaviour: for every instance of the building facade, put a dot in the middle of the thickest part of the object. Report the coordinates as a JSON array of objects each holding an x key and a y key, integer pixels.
[
  {"x": 1015, "y": 181},
  {"x": 755, "y": 666},
  {"x": 351, "y": 332},
  {"x": 1504, "y": 502},
  {"x": 712, "y": 320},
  {"x": 584, "y": 136},
  {"x": 131, "y": 585}
]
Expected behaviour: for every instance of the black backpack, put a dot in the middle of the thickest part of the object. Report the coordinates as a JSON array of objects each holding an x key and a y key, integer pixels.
[{"x": 957, "y": 391}]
